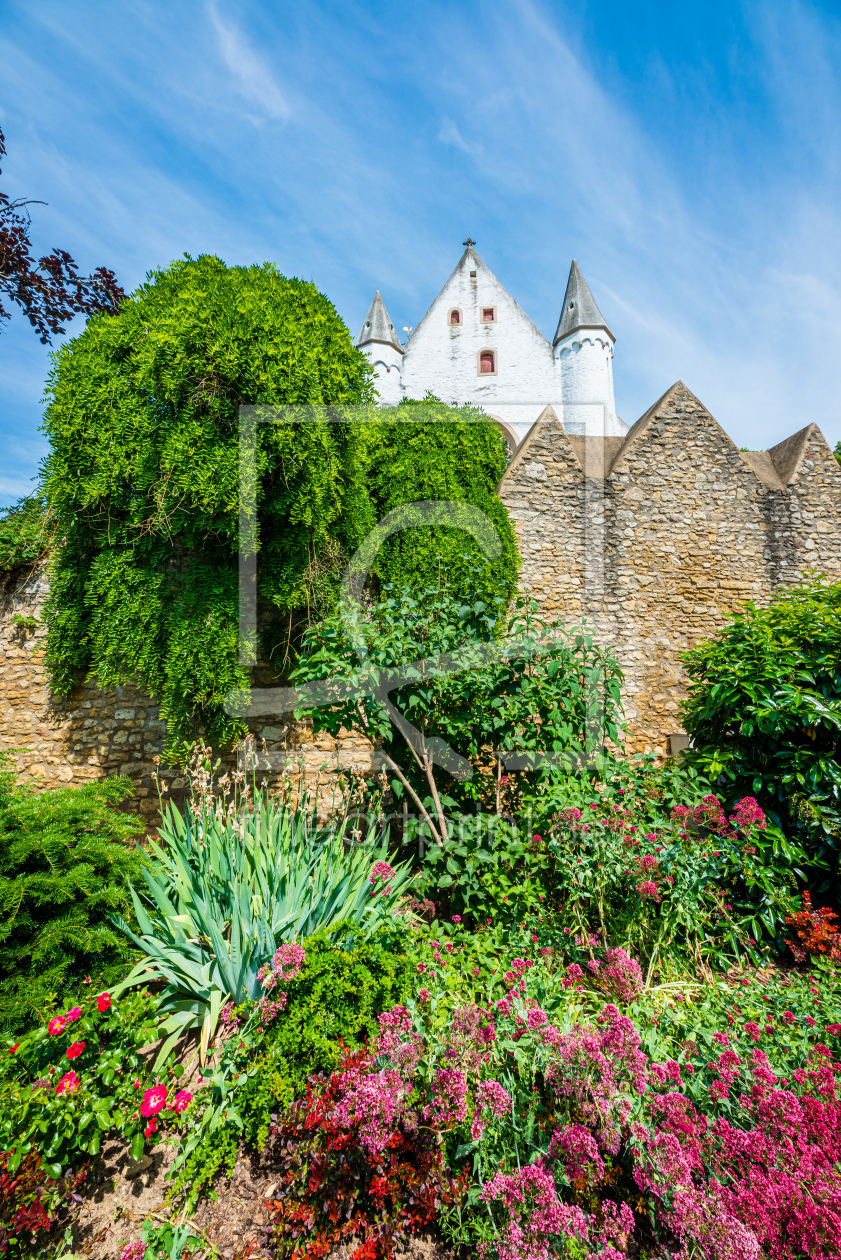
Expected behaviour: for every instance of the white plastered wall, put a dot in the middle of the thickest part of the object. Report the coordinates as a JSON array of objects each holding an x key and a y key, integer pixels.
[
  {"x": 387, "y": 363},
  {"x": 586, "y": 372},
  {"x": 444, "y": 358}
]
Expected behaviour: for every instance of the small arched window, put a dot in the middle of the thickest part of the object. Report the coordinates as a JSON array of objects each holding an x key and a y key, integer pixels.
[
  {"x": 487, "y": 363},
  {"x": 488, "y": 314},
  {"x": 454, "y": 316}
]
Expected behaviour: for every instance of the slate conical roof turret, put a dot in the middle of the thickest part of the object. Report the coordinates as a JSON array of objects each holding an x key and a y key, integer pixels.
[
  {"x": 378, "y": 327},
  {"x": 579, "y": 309}
]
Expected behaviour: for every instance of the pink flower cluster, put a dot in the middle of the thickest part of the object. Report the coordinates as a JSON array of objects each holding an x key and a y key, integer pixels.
[
  {"x": 373, "y": 1101},
  {"x": 709, "y": 814},
  {"x": 133, "y": 1251},
  {"x": 448, "y": 1105},
  {"x": 470, "y": 1037},
  {"x": 381, "y": 873},
  {"x": 577, "y": 1147},
  {"x": 535, "y": 1213},
  {"x": 600, "y": 1070},
  {"x": 287, "y": 963},
  {"x": 490, "y": 1097},
  {"x": 621, "y": 977}
]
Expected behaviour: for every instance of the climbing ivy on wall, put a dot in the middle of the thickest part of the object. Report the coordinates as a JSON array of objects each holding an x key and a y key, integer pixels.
[
  {"x": 142, "y": 492},
  {"x": 23, "y": 537},
  {"x": 428, "y": 451}
]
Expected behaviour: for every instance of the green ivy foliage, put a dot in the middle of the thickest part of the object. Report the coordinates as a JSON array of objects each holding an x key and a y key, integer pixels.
[
  {"x": 764, "y": 711},
  {"x": 65, "y": 858},
  {"x": 428, "y": 451},
  {"x": 23, "y": 536},
  {"x": 142, "y": 481}
]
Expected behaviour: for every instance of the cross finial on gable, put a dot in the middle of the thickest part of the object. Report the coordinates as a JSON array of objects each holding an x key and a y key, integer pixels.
[{"x": 469, "y": 242}]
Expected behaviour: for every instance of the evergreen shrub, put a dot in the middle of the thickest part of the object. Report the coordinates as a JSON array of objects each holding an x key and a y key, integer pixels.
[
  {"x": 335, "y": 1000},
  {"x": 65, "y": 858}
]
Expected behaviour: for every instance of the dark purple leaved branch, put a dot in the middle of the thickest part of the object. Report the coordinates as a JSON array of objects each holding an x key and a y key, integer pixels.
[{"x": 50, "y": 291}]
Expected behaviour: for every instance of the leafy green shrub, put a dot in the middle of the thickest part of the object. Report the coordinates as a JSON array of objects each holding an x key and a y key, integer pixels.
[
  {"x": 335, "y": 1000},
  {"x": 65, "y": 858},
  {"x": 429, "y": 452},
  {"x": 346, "y": 980},
  {"x": 481, "y": 685},
  {"x": 488, "y": 868},
  {"x": 23, "y": 535},
  {"x": 71, "y": 1082},
  {"x": 228, "y": 890},
  {"x": 764, "y": 711},
  {"x": 630, "y": 853},
  {"x": 166, "y": 1241}
]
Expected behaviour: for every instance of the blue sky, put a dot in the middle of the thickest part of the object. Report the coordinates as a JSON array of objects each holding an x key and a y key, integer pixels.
[{"x": 687, "y": 154}]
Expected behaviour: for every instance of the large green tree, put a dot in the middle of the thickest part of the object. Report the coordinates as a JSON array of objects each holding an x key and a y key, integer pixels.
[
  {"x": 142, "y": 482},
  {"x": 142, "y": 476}
]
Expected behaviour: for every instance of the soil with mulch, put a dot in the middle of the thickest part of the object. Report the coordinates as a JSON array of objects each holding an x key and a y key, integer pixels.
[{"x": 118, "y": 1195}]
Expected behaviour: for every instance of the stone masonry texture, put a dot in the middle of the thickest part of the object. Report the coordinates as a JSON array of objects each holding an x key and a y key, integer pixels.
[
  {"x": 658, "y": 537},
  {"x": 94, "y": 732},
  {"x": 654, "y": 538}
]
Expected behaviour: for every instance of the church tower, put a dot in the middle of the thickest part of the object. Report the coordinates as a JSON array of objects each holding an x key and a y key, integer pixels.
[
  {"x": 583, "y": 348},
  {"x": 381, "y": 345}
]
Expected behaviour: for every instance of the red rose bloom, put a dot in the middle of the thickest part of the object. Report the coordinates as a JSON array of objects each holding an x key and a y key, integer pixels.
[
  {"x": 67, "y": 1084},
  {"x": 75, "y": 1050},
  {"x": 103, "y": 1002},
  {"x": 153, "y": 1101},
  {"x": 56, "y": 1026}
]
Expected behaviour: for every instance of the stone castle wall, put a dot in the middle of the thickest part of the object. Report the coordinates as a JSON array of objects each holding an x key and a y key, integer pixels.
[
  {"x": 658, "y": 537},
  {"x": 96, "y": 732}
]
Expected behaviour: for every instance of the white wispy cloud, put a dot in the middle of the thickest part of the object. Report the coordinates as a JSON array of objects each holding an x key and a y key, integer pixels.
[
  {"x": 357, "y": 145},
  {"x": 448, "y": 133},
  {"x": 253, "y": 76}
]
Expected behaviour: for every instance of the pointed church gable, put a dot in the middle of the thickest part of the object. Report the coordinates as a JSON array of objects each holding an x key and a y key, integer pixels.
[
  {"x": 492, "y": 356},
  {"x": 482, "y": 290}
]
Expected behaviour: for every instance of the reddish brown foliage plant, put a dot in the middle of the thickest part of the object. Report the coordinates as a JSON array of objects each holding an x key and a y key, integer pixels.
[
  {"x": 817, "y": 931},
  {"x": 334, "y": 1189}
]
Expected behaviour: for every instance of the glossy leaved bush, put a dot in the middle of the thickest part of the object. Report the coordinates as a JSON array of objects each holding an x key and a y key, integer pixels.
[
  {"x": 481, "y": 683},
  {"x": 764, "y": 711}
]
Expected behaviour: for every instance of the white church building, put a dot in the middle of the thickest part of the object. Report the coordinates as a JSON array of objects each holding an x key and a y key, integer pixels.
[{"x": 476, "y": 345}]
